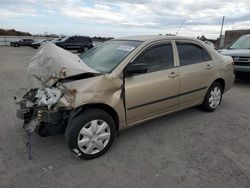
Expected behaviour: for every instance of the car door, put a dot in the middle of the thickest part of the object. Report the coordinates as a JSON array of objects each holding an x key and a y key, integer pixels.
[
  {"x": 70, "y": 43},
  {"x": 196, "y": 72},
  {"x": 22, "y": 42},
  {"x": 78, "y": 43},
  {"x": 26, "y": 42},
  {"x": 156, "y": 91}
]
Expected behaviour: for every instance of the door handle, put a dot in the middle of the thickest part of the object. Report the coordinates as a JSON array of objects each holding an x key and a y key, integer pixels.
[
  {"x": 208, "y": 66},
  {"x": 173, "y": 75}
]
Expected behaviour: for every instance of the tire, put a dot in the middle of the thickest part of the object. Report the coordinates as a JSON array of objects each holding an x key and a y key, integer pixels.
[
  {"x": 16, "y": 45},
  {"x": 85, "y": 49},
  {"x": 82, "y": 135},
  {"x": 213, "y": 97}
]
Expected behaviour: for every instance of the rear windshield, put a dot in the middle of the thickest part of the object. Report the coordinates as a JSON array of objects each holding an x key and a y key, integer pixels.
[{"x": 105, "y": 57}]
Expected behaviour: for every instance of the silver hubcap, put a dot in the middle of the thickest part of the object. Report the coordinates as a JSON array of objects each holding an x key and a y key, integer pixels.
[
  {"x": 93, "y": 137},
  {"x": 215, "y": 98}
]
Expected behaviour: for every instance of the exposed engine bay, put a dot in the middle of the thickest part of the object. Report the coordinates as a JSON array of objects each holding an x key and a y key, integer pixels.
[{"x": 35, "y": 108}]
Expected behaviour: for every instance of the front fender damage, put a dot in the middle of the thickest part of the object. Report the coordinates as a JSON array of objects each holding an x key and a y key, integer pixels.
[{"x": 103, "y": 89}]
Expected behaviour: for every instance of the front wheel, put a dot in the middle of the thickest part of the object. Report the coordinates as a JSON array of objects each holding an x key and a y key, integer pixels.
[
  {"x": 90, "y": 134},
  {"x": 213, "y": 97}
]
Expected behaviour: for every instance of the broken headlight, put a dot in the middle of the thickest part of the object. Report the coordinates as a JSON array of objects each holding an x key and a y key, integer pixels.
[{"x": 48, "y": 96}]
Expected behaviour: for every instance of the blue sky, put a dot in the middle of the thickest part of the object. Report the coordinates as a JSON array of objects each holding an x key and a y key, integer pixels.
[{"x": 117, "y": 18}]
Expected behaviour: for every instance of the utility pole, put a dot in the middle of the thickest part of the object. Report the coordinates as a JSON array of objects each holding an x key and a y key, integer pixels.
[{"x": 222, "y": 24}]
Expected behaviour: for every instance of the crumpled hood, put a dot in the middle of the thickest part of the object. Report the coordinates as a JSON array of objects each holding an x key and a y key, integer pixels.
[{"x": 52, "y": 63}]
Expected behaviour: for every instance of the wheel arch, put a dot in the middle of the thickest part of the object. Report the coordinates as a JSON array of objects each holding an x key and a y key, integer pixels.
[
  {"x": 108, "y": 109},
  {"x": 220, "y": 81}
]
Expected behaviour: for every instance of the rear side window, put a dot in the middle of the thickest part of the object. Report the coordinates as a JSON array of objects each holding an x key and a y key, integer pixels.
[
  {"x": 190, "y": 53},
  {"x": 157, "y": 58},
  {"x": 77, "y": 39},
  {"x": 71, "y": 39},
  {"x": 88, "y": 39}
]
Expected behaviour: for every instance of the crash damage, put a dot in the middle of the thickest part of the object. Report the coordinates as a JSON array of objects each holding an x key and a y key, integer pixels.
[{"x": 61, "y": 84}]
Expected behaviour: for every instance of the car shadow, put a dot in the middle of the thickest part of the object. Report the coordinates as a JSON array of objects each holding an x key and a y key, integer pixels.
[{"x": 243, "y": 79}]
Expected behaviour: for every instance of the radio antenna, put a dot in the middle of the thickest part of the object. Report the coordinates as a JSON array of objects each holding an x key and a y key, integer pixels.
[{"x": 180, "y": 27}]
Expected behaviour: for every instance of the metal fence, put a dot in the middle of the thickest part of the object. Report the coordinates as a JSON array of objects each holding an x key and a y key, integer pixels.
[{"x": 5, "y": 40}]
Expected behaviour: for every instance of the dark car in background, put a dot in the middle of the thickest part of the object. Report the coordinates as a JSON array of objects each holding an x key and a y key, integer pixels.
[
  {"x": 240, "y": 52},
  {"x": 79, "y": 43},
  {"x": 37, "y": 44},
  {"x": 22, "y": 42}
]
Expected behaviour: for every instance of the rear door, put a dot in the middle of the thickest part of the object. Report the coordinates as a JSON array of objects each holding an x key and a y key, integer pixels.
[
  {"x": 79, "y": 42},
  {"x": 196, "y": 72},
  {"x": 156, "y": 91},
  {"x": 22, "y": 42},
  {"x": 70, "y": 43}
]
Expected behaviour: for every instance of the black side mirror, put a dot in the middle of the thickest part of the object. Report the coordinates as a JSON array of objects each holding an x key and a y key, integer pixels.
[{"x": 136, "y": 68}]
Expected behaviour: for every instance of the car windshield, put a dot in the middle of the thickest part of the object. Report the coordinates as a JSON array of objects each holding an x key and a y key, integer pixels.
[
  {"x": 242, "y": 43},
  {"x": 55, "y": 40},
  {"x": 64, "y": 39},
  {"x": 105, "y": 57}
]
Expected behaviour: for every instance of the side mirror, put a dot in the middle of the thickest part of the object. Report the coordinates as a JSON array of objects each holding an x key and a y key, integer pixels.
[{"x": 136, "y": 68}]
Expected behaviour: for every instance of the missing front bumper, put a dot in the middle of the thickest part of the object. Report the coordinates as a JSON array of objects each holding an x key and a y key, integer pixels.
[{"x": 44, "y": 122}]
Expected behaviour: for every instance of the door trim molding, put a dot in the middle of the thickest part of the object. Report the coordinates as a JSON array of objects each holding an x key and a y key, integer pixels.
[{"x": 167, "y": 98}]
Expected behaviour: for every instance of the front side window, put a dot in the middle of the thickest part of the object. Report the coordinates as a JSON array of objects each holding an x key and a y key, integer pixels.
[
  {"x": 190, "y": 53},
  {"x": 105, "y": 57},
  {"x": 157, "y": 58}
]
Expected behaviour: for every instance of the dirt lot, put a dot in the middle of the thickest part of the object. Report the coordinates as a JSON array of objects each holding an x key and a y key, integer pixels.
[{"x": 186, "y": 149}]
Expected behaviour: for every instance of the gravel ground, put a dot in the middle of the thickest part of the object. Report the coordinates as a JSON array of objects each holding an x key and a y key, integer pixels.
[{"x": 190, "y": 148}]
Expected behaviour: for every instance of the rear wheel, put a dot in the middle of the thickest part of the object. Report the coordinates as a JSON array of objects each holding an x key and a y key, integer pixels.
[
  {"x": 85, "y": 48},
  {"x": 213, "y": 97},
  {"x": 90, "y": 134}
]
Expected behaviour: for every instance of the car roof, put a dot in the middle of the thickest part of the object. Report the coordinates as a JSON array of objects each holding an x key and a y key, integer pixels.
[
  {"x": 153, "y": 37},
  {"x": 80, "y": 36}
]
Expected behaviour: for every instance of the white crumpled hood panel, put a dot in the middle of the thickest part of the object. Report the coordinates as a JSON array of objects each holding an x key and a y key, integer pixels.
[{"x": 51, "y": 63}]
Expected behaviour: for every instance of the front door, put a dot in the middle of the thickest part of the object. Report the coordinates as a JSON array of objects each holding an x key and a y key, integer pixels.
[{"x": 156, "y": 91}]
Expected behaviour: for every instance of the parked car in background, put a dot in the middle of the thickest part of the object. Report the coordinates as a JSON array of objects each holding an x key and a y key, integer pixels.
[
  {"x": 117, "y": 84},
  {"x": 37, "y": 44},
  {"x": 79, "y": 43},
  {"x": 209, "y": 43},
  {"x": 22, "y": 42},
  {"x": 240, "y": 52}
]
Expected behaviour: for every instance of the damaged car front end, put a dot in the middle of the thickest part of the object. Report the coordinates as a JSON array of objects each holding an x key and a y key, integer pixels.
[
  {"x": 37, "y": 110},
  {"x": 46, "y": 106}
]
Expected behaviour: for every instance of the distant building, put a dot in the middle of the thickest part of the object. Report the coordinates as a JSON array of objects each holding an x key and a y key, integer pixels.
[{"x": 232, "y": 35}]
